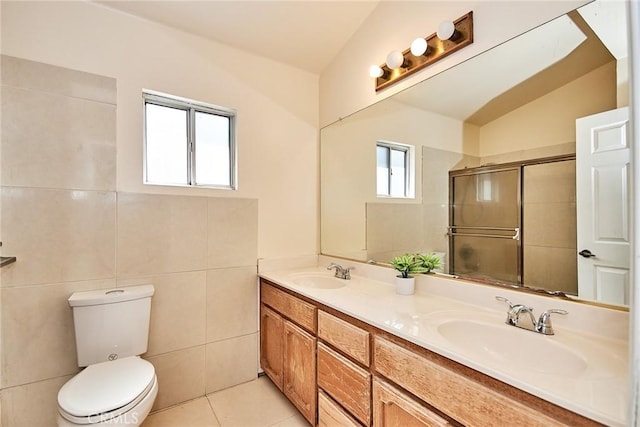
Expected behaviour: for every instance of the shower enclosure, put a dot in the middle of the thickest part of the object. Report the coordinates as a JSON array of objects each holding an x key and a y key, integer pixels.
[{"x": 515, "y": 223}]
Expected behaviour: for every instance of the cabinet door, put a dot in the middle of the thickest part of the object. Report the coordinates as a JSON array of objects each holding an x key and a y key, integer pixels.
[
  {"x": 271, "y": 344},
  {"x": 392, "y": 408},
  {"x": 299, "y": 371}
]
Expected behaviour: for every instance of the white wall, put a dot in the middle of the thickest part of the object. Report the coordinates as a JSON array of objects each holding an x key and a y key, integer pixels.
[
  {"x": 345, "y": 86},
  {"x": 277, "y": 105}
]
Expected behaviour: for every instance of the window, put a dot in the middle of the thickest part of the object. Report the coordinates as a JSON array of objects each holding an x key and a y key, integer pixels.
[
  {"x": 394, "y": 170},
  {"x": 188, "y": 143}
]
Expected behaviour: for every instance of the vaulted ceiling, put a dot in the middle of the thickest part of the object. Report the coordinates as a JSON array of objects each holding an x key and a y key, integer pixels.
[{"x": 303, "y": 34}]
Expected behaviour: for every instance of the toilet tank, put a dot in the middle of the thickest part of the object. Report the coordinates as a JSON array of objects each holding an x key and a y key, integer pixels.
[{"x": 111, "y": 324}]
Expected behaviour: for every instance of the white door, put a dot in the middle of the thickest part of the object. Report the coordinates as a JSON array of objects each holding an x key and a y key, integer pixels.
[{"x": 603, "y": 179}]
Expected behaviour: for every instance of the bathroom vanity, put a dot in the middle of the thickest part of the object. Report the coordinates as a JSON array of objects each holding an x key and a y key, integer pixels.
[{"x": 351, "y": 352}]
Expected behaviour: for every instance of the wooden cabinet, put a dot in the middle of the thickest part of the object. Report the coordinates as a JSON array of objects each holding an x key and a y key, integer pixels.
[
  {"x": 299, "y": 374},
  {"x": 467, "y": 396},
  {"x": 330, "y": 414},
  {"x": 360, "y": 375},
  {"x": 271, "y": 345},
  {"x": 347, "y": 383},
  {"x": 287, "y": 351},
  {"x": 393, "y": 408},
  {"x": 298, "y": 311},
  {"x": 349, "y": 339}
]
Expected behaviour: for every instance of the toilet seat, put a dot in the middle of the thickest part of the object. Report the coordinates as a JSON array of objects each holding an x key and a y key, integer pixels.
[{"x": 106, "y": 390}]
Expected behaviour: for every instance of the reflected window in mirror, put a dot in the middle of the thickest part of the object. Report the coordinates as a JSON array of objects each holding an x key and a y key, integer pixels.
[{"x": 395, "y": 170}]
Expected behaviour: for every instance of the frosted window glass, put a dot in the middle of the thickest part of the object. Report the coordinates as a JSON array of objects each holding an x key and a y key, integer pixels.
[
  {"x": 167, "y": 150},
  {"x": 398, "y": 173},
  {"x": 392, "y": 171},
  {"x": 213, "y": 154},
  {"x": 383, "y": 171}
]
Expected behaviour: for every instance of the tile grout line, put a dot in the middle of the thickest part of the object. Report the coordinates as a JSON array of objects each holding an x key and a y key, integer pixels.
[{"x": 215, "y": 416}]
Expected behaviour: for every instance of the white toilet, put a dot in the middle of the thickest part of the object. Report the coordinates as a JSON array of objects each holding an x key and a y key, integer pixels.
[{"x": 117, "y": 387}]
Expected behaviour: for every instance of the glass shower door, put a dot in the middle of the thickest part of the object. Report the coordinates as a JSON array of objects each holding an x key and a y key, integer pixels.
[{"x": 485, "y": 223}]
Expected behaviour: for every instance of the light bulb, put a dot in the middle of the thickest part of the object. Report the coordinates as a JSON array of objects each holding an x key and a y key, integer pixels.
[
  {"x": 375, "y": 71},
  {"x": 419, "y": 47},
  {"x": 446, "y": 30},
  {"x": 395, "y": 59}
]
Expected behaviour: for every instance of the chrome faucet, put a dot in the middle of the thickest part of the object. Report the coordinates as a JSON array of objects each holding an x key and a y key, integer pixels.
[
  {"x": 542, "y": 325},
  {"x": 341, "y": 272}
]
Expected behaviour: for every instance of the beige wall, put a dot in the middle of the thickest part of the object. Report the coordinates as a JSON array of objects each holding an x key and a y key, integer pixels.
[
  {"x": 345, "y": 86},
  {"x": 348, "y": 159},
  {"x": 550, "y": 120},
  {"x": 277, "y": 105}
]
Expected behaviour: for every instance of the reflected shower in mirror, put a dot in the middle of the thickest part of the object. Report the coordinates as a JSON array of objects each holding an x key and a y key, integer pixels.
[{"x": 512, "y": 105}]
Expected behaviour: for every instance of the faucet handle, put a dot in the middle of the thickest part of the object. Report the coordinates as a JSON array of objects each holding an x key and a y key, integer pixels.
[
  {"x": 347, "y": 272},
  {"x": 544, "y": 323},
  {"x": 338, "y": 267},
  {"x": 514, "y": 311},
  {"x": 503, "y": 299},
  {"x": 515, "y": 307}
]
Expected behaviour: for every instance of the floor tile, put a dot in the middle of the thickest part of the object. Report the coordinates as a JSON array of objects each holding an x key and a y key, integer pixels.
[
  {"x": 296, "y": 421},
  {"x": 257, "y": 403},
  {"x": 195, "y": 413}
]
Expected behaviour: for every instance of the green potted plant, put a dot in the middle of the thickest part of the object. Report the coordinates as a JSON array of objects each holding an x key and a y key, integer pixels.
[
  {"x": 407, "y": 265},
  {"x": 428, "y": 261}
]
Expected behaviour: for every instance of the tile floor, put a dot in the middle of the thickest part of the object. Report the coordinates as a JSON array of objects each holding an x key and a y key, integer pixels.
[{"x": 258, "y": 403}]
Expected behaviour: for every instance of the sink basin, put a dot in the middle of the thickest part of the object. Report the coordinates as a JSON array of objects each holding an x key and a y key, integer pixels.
[
  {"x": 317, "y": 281},
  {"x": 509, "y": 346}
]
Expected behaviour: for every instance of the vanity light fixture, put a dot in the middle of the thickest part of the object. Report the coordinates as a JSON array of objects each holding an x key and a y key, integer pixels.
[
  {"x": 419, "y": 47},
  {"x": 376, "y": 71},
  {"x": 446, "y": 30},
  {"x": 450, "y": 37},
  {"x": 395, "y": 60}
]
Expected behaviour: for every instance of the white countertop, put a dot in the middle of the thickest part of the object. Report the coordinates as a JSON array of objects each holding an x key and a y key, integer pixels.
[{"x": 599, "y": 392}]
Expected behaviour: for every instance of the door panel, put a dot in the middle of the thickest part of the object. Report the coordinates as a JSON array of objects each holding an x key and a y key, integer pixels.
[{"x": 603, "y": 206}]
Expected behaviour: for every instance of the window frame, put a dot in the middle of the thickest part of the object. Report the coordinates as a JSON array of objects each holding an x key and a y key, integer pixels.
[
  {"x": 192, "y": 107},
  {"x": 409, "y": 167}
]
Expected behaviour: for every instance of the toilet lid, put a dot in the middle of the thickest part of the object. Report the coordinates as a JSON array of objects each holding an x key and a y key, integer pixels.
[{"x": 105, "y": 386}]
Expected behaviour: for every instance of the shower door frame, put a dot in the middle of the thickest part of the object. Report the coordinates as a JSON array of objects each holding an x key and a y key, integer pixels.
[{"x": 488, "y": 168}]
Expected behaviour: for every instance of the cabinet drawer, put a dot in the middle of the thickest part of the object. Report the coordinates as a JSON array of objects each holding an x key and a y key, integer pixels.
[
  {"x": 330, "y": 414},
  {"x": 391, "y": 408},
  {"x": 302, "y": 313},
  {"x": 346, "y": 382},
  {"x": 458, "y": 396},
  {"x": 346, "y": 337}
]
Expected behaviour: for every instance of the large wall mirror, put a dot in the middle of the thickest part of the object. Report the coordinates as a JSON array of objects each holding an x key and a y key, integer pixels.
[{"x": 542, "y": 104}]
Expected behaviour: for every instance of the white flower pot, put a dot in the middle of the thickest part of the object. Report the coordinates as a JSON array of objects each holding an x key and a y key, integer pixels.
[{"x": 405, "y": 286}]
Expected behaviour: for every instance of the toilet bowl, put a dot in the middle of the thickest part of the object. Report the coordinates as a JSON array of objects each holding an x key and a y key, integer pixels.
[{"x": 119, "y": 392}]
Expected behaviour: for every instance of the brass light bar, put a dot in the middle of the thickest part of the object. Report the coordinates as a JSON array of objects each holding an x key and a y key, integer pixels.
[{"x": 436, "y": 50}]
